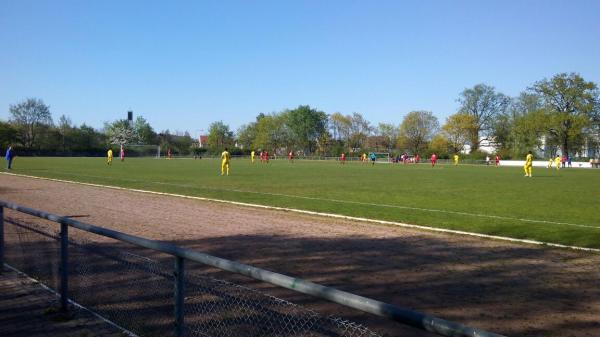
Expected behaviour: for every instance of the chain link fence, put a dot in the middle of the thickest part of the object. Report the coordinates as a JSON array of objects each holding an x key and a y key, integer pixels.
[{"x": 134, "y": 288}]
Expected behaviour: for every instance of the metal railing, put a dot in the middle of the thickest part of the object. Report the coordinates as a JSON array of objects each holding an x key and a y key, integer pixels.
[
  {"x": 181, "y": 255},
  {"x": 391, "y": 159}
]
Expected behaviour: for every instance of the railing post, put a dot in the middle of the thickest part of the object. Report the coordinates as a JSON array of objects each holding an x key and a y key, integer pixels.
[
  {"x": 64, "y": 266},
  {"x": 1, "y": 239},
  {"x": 179, "y": 295}
]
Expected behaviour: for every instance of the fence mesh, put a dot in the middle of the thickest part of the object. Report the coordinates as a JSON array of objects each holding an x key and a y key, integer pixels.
[
  {"x": 135, "y": 289},
  {"x": 34, "y": 250}
]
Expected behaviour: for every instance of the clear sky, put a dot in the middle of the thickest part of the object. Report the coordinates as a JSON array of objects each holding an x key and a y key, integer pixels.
[{"x": 183, "y": 65}]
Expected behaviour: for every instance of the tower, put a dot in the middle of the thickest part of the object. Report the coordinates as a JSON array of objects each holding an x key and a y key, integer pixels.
[{"x": 130, "y": 117}]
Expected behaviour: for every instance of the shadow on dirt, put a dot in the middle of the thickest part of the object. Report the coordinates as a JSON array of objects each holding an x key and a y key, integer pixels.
[{"x": 515, "y": 291}]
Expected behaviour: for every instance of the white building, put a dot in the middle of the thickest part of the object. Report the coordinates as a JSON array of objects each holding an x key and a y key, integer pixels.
[{"x": 485, "y": 145}]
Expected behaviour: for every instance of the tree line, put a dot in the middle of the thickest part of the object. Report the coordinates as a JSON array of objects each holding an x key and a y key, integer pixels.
[
  {"x": 31, "y": 130},
  {"x": 560, "y": 114}
]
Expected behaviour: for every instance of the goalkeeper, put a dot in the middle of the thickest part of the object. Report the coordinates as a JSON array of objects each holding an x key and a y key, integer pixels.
[{"x": 373, "y": 157}]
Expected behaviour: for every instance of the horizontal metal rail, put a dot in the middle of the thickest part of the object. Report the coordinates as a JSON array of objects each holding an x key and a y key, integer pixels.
[
  {"x": 402, "y": 315},
  {"x": 85, "y": 247}
]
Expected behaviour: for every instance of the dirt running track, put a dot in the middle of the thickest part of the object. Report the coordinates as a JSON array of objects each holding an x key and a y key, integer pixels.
[{"x": 512, "y": 289}]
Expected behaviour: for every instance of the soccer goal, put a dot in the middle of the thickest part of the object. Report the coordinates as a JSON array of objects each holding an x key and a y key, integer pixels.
[
  {"x": 382, "y": 157},
  {"x": 142, "y": 150}
]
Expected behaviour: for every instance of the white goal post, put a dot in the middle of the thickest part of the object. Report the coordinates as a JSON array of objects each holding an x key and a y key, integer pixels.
[
  {"x": 382, "y": 157},
  {"x": 144, "y": 149}
]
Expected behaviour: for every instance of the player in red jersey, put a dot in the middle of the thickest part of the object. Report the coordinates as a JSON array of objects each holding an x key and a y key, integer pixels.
[
  {"x": 291, "y": 157},
  {"x": 266, "y": 156},
  {"x": 497, "y": 160},
  {"x": 433, "y": 160},
  {"x": 122, "y": 153},
  {"x": 343, "y": 158}
]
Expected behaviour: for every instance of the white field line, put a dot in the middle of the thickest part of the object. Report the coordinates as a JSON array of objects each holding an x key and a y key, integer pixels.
[
  {"x": 431, "y": 210},
  {"x": 330, "y": 215},
  {"x": 388, "y": 206},
  {"x": 125, "y": 331}
]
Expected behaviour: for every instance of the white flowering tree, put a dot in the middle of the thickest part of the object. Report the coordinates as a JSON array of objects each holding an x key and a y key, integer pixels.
[{"x": 121, "y": 133}]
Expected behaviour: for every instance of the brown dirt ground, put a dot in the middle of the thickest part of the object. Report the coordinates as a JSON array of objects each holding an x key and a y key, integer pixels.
[{"x": 511, "y": 289}]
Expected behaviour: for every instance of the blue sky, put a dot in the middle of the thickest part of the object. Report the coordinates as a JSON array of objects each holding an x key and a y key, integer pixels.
[{"x": 183, "y": 65}]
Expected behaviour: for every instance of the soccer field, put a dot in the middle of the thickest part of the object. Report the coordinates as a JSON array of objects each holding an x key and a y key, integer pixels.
[{"x": 553, "y": 206}]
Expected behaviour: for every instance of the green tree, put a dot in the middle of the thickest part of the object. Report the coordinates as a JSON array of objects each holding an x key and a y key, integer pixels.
[
  {"x": 273, "y": 133},
  {"x": 502, "y": 131},
  {"x": 246, "y": 135},
  {"x": 50, "y": 140},
  {"x": 219, "y": 136},
  {"x": 29, "y": 118},
  {"x": 439, "y": 145},
  {"x": 485, "y": 105},
  {"x": 8, "y": 135},
  {"x": 262, "y": 139},
  {"x": 571, "y": 106},
  {"x": 593, "y": 136},
  {"x": 416, "y": 130},
  {"x": 360, "y": 129},
  {"x": 390, "y": 133},
  {"x": 526, "y": 104},
  {"x": 522, "y": 126},
  {"x": 458, "y": 130},
  {"x": 324, "y": 144},
  {"x": 307, "y": 126},
  {"x": 165, "y": 139},
  {"x": 182, "y": 144},
  {"x": 144, "y": 132},
  {"x": 86, "y": 139},
  {"x": 283, "y": 137},
  {"x": 340, "y": 126},
  {"x": 64, "y": 129}
]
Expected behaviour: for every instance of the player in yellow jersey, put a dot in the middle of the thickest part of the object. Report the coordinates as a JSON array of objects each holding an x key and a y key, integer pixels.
[
  {"x": 252, "y": 156},
  {"x": 550, "y": 162},
  {"x": 528, "y": 164},
  {"x": 557, "y": 162},
  {"x": 109, "y": 157},
  {"x": 225, "y": 157},
  {"x": 455, "y": 159}
]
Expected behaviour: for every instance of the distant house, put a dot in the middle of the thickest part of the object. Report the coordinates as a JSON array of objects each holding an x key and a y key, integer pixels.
[
  {"x": 203, "y": 141},
  {"x": 485, "y": 145},
  {"x": 590, "y": 148}
]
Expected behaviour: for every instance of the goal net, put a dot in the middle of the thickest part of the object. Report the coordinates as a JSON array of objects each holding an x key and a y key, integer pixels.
[
  {"x": 382, "y": 157},
  {"x": 142, "y": 150}
]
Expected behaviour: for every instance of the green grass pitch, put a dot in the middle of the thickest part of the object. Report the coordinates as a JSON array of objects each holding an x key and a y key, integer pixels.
[{"x": 553, "y": 206}]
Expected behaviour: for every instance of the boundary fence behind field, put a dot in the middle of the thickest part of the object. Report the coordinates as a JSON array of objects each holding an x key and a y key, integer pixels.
[
  {"x": 150, "y": 298},
  {"x": 422, "y": 161}
]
